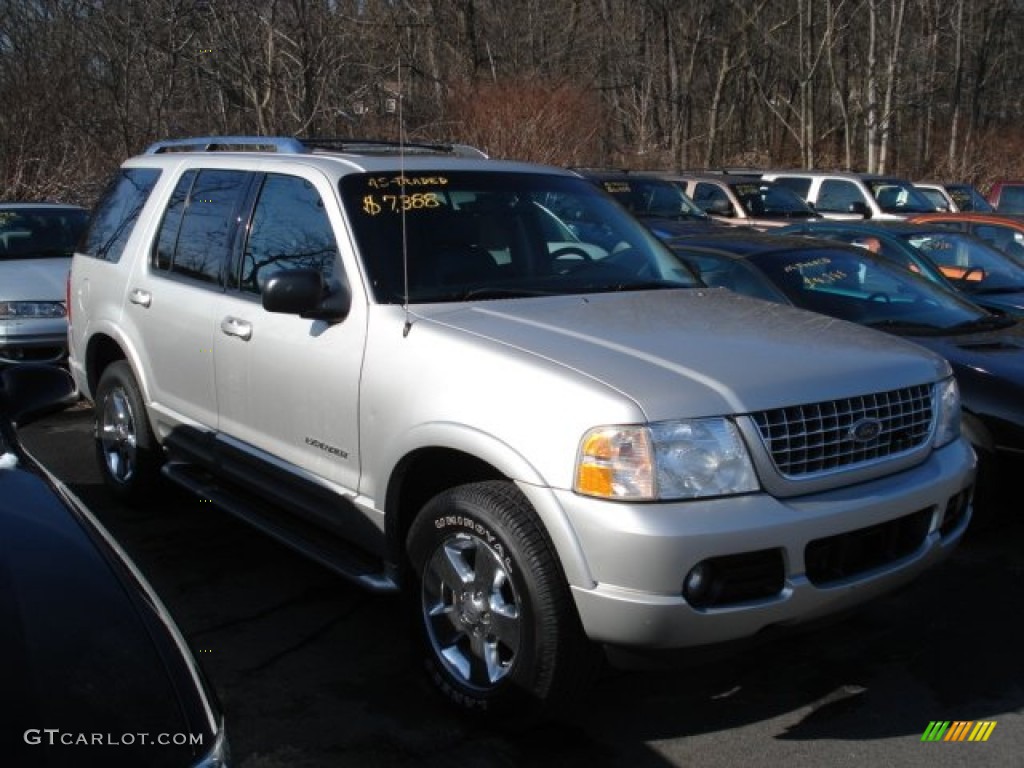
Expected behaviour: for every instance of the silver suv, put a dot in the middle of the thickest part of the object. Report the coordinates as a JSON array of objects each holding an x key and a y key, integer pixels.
[{"x": 487, "y": 384}]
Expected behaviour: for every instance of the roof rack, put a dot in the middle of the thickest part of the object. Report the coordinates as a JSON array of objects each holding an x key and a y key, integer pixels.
[
  {"x": 228, "y": 144},
  {"x": 307, "y": 145},
  {"x": 383, "y": 147}
]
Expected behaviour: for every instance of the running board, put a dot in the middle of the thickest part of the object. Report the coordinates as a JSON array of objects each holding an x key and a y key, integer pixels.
[{"x": 309, "y": 540}]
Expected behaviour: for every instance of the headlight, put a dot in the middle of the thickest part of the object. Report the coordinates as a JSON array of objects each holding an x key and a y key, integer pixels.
[
  {"x": 16, "y": 309},
  {"x": 668, "y": 460},
  {"x": 947, "y": 412}
]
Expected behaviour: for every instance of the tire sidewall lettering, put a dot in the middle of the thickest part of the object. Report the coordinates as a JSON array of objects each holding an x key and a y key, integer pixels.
[{"x": 468, "y": 524}]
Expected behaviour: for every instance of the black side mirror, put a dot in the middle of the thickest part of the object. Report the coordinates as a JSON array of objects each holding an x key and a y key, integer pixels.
[
  {"x": 720, "y": 207},
  {"x": 32, "y": 390},
  {"x": 860, "y": 208},
  {"x": 305, "y": 293}
]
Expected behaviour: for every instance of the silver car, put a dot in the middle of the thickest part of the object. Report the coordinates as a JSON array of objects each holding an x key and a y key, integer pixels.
[
  {"x": 36, "y": 242},
  {"x": 550, "y": 434}
]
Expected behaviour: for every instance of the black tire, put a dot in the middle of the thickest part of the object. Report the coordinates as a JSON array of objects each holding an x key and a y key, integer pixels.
[
  {"x": 497, "y": 625},
  {"x": 128, "y": 456}
]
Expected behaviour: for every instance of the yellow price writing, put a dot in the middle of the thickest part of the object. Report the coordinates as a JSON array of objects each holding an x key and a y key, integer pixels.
[{"x": 374, "y": 204}]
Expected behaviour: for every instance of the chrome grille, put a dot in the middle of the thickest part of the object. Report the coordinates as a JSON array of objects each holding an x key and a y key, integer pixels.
[{"x": 806, "y": 440}]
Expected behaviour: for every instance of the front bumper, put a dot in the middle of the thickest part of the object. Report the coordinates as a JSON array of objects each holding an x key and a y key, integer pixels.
[
  {"x": 39, "y": 341},
  {"x": 833, "y": 550}
]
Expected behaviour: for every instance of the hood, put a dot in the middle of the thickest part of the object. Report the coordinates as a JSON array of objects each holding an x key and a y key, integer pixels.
[
  {"x": 700, "y": 352},
  {"x": 34, "y": 279},
  {"x": 1012, "y": 302},
  {"x": 666, "y": 229},
  {"x": 989, "y": 368}
]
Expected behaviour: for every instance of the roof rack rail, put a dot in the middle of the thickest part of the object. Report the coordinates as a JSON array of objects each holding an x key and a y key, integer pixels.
[
  {"x": 227, "y": 144},
  {"x": 381, "y": 146},
  {"x": 307, "y": 145}
]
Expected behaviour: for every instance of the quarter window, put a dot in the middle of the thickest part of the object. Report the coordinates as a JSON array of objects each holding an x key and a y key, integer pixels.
[
  {"x": 290, "y": 230},
  {"x": 118, "y": 210}
]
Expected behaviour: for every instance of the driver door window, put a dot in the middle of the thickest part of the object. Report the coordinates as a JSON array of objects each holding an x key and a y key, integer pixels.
[{"x": 289, "y": 230}]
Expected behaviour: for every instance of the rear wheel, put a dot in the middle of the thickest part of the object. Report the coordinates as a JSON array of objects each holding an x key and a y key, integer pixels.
[
  {"x": 496, "y": 619},
  {"x": 128, "y": 456}
]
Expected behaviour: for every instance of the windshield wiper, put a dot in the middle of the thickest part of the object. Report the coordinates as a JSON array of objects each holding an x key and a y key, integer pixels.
[
  {"x": 489, "y": 292},
  {"x": 987, "y": 323},
  {"x": 647, "y": 285},
  {"x": 999, "y": 289},
  {"x": 905, "y": 326}
]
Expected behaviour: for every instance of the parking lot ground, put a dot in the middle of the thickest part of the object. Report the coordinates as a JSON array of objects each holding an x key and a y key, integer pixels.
[{"x": 313, "y": 672}]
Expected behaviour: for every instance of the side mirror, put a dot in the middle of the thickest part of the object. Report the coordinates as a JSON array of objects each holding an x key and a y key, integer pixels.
[
  {"x": 860, "y": 208},
  {"x": 29, "y": 391},
  {"x": 305, "y": 293},
  {"x": 719, "y": 207}
]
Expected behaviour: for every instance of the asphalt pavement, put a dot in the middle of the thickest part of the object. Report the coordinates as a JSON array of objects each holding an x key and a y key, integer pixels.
[{"x": 312, "y": 672}]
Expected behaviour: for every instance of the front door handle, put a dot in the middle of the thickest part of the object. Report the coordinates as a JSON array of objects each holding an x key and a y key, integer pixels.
[
  {"x": 140, "y": 297},
  {"x": 232, "y": 326}
]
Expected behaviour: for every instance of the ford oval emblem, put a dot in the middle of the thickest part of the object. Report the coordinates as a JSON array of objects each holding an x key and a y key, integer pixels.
[{"x": 866, "y": 430}]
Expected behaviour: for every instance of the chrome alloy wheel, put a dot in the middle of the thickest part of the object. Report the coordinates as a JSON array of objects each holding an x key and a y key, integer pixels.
[
  {"x": 117, "y": 434},
  {"x": 471, "y": 610}
]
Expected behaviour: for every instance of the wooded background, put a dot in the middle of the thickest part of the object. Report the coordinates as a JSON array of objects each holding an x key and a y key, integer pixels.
[{"x": 923, "y": 88}]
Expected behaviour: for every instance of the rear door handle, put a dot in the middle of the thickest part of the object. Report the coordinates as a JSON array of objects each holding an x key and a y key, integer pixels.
[
  {"x": 232, "y": 326},
  {"x": 140, "y": 297}
]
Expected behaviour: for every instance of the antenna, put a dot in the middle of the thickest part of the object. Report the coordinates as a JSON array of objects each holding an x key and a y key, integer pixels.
[{"x": 401, "y": 190}]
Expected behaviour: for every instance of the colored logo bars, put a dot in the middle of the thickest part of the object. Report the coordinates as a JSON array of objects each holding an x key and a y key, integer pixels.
[{"x": 968, "y": 730}]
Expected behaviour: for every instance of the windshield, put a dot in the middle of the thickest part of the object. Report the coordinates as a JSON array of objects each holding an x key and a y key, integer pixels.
[
  {"x": 861, "y": 288},
  {"x": 491, "y": 235},
  {"x": 898, "y": 196},
  {"x": 653, "y": 198},
  {"x": 39, "y": 233},
  {"x": 718, "y": 270},
  {"x": 972, "y": 265}
]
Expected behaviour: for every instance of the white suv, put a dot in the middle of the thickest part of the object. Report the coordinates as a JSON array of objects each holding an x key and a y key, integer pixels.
[
  {"x": 485, "y": 383},
  {"x": 854, "y": 195}
]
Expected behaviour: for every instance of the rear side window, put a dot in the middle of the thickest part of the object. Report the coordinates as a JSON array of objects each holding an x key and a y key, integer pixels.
[
  {"x": 116, "y": 214},
  {"x": 290, "y": 230},
  {"x": 199, "y": 223}
]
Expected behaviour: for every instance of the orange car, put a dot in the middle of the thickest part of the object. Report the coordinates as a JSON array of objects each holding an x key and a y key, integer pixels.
[{"x": 1000, "y": 230}]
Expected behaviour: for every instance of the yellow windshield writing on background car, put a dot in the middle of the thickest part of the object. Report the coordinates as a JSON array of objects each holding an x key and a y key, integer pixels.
[
  {"x": 800, "y": 266},
  {"x": 385, "y": 182},
  {"x": 418, "y": 201},
  {"x": 616, "y": 186},
  {"x": 825, "y": 277}
]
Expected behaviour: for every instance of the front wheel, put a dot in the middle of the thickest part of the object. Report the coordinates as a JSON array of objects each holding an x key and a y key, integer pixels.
[
  {"x": 496, "y": 619},
  {"x": 128, "y": 456}
]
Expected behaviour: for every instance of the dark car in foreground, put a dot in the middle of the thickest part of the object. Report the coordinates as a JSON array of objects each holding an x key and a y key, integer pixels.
[
  {"x": 972, "y": 267},
  {"x": 95, "y": 671},
  {"x": 849, "y": 283}
]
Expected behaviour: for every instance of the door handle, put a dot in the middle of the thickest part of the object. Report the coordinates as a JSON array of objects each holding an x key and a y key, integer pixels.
[
  {"x": 140, "y": 297},
  {"x": 232, "y": 326}
]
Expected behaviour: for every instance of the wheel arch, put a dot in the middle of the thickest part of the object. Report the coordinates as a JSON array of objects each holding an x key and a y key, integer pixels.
[
  {"x": 104, "y": 348},
  {"x": 430, "y": 468}
]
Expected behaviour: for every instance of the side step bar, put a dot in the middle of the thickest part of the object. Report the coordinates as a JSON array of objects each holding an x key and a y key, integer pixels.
[{"x": 309, "y": 540}]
